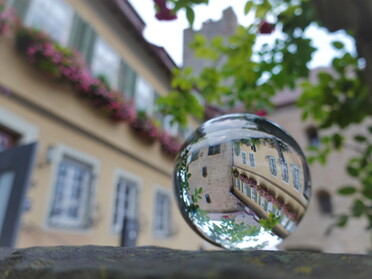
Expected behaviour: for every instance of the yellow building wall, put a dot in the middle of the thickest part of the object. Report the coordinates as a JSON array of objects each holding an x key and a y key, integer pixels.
[
  {"x": 58, "y": 114},
  {"x": 261, "y": 172}
]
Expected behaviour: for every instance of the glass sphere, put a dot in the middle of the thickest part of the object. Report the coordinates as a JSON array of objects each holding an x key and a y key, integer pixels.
[{"x": 242, "y": 182}]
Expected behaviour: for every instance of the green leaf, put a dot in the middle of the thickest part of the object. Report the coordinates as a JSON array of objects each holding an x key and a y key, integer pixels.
[
  {"x": 347, "y": 190},
  {"x": 338, "y": 44},
  {"x": 354, "y": 172},
  {"x": 190, "y": 15},
  {"x": 367, "y": 193},
  {"x": 342, "y": 221},
  {"x": 248, "y": 6},
  {"x": 360, "y": 138},
  {"x": 358, "y": 208}
]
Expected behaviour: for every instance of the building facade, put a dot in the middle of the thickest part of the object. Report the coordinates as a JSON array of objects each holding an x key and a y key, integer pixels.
[{"x": 102, "y": 172}]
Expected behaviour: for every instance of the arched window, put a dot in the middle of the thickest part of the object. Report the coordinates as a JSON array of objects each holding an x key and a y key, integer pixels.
[
  {"x": 204, "y": 172},
  {"x": 312, "y": 135},
  {"x": 325, "y": 203}
]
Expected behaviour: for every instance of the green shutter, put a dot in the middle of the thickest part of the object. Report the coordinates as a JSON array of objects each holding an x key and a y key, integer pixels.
[
  {"x": 127, "y": 80},
  {"x": 21, "y": 7},
  {"x": 83, "y": 37},
  {"x": 157, "y": 114}
]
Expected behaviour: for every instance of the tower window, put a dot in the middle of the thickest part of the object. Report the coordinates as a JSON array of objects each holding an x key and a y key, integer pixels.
[
  {"x": 214, "y": 149},
  {"x": 312, "y": 136},
  {"x": 325, "y": 203}
]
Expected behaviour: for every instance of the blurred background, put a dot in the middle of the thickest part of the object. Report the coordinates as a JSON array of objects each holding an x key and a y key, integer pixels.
[{"x": 89, "y": 154}]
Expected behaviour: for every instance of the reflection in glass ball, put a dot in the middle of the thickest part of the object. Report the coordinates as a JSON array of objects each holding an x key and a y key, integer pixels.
[{"x": 242, "y": 182}]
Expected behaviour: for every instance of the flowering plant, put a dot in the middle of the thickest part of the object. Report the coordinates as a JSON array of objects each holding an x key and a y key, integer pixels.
[
  {"x": 8, "y": 19},
  {"x": 144, "y": 127},
  {"x": 235, "y": 173},
  {"x": 162, "y": 11},
  {"x": 64, "y": 64},
  {"x": 169, "y": 144},
  {"x": 266, "y": 193}
]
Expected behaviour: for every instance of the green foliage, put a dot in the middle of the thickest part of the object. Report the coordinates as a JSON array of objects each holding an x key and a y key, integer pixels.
[
  {"x": 271, "y": 221},
  {"x": 187, "y": 5},
  {"x": 238, "y": 72},
  {"x": 347, "y": 190}
]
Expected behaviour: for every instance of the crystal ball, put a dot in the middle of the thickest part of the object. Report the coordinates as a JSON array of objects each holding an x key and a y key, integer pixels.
[{"x": 242, "y": 182}]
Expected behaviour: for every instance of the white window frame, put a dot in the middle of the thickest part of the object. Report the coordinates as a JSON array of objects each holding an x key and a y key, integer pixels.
[
  {"x": 252, "y": 161},
  {"x": 122, "y": 174},
  {"x": 237, "y": 183},
  {"x": 254, "y": 194},
  {"x": 263, "y": 203},
  {"x": 32, "y": 18},
  {"x": 296, "y": 177},
  {"x": 284, "y": 220},
  {"x": 28, "y": 132},
  {"x": 59, "y": 153},
  {"x": 285, "y": 172},
  {"x": 244, "y": 158},
  {"x": 101, "y": 66},
  {"x": 272, "y": 165},
  {"x": 166, "y": 232}
]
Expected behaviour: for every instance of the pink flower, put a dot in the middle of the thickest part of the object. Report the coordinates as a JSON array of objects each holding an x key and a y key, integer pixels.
[
  {"x": 169, "y": 144},
  {"x": 266, "y": 27},
  {"x": 261, "y": 113},
  {"x": 163, "y": 12}
]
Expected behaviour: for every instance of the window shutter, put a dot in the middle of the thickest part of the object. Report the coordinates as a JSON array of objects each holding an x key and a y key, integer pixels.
[
  {"x": 127, "y": 80},
  {"x": 83, "y": 37},
  {"x": 21, "y": 7}
]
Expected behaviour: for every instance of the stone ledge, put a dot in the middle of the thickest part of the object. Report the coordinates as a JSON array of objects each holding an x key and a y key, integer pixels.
[{"x": 91, "y": 262}]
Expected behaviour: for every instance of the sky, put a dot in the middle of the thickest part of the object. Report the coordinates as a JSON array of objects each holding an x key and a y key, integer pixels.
[{"x": 169, "y": 34}]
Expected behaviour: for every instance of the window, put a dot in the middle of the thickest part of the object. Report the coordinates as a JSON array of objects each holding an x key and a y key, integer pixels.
[
  {"x": 270, "y": 207},
  {"x": 245, "y": 189},
  {"x": 144, "y": 96},
  {"x": 244, "y": 158},
  {"x": 54, "y": 17},
  {"x": 72, "y": 202},
  {"x": 71, "y": 194},
  {"x": 8, "y": 139},
  {"x": 214, "y": 149},
  {"x": 285, "y": 174},
  {"x": 254, "y": 194},
  {"x": 194, "y": 156},
  {"x": 263, "y": 203},
  {"x": 324, "y": 201},
  {"x": 312, "y": 136},
  {"x": 284, "y": 220},
  {"x": 252, "y": 162},
  {"x": 290, "y": 226},
  {"x": 126, "y": 202},
  {"x": 237, "y": 183},
  {"x": 207, "y": 198},
  {"x": 20, "y": 130},
  {"x": 105, "y": 62},
  {"x": 296, "y": 177},
  {"x": 162, "y": 214},
  {"x": 204, "y": 172},
  {"x": 170, "y": 126},
  {"x": 272, "y": 165}
]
